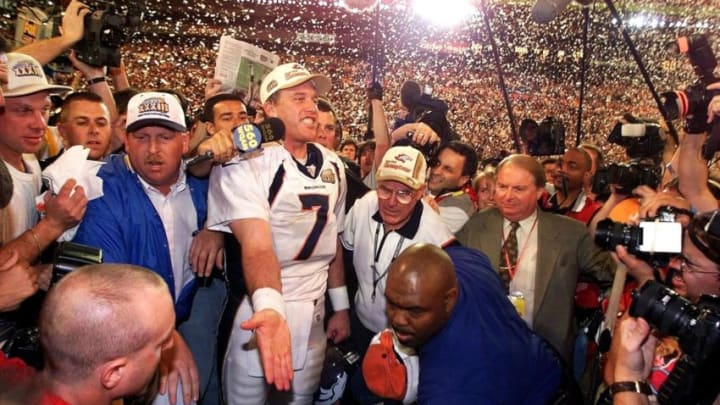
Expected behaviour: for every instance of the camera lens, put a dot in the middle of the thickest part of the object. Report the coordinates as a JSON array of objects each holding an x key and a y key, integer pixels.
[
  {"x": 609, "y": 234},
  {"x": 663, "y": 308}
]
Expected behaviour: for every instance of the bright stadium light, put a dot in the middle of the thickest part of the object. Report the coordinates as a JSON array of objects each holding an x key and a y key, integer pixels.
[{"x": 445, "y": 13}]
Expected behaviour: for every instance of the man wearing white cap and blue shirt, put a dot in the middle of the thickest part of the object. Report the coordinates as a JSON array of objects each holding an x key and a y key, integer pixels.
[
  {"x": 152, "y": 215},
  {"x": 286, "y": 209},
  {"x": 23, "y": 121}
]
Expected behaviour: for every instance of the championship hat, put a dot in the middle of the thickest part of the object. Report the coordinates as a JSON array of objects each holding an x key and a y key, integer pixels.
[
  {"x": 290, "y": 75},
  {"x": 155, "y": 108},
  {"x": 25, "y": 76}
]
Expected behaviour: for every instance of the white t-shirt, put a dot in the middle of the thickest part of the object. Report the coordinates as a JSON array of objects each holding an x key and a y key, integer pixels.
[
  {"x": 21, "y": 214},
  {"x": 305, "y": 208},
  {"x": 365, "y": 236}
]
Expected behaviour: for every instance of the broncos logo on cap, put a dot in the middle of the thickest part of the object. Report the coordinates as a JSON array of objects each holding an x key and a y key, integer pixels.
[{"x": 403, "y": 158}]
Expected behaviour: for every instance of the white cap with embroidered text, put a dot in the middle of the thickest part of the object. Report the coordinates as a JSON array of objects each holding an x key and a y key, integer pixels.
[
  {"x": 155, "y": 108},
  {"x": 403, "y": 164},
  {"x": 291, "y": 75},
  {"x": 25, "y": 76}
]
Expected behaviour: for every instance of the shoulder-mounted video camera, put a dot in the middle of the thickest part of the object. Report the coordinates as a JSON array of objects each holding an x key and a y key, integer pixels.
[
  {"x": 544, "y": 138},
  {"x": 423, "y": 107},
  {"x": 107, "y": 28}
]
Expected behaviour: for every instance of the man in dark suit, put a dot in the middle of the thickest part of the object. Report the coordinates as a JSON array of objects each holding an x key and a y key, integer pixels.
[{"x": 538, "y": 255}]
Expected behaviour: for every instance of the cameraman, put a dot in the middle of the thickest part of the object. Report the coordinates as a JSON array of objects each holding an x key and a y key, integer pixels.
[{"x": 630, "y": 357}]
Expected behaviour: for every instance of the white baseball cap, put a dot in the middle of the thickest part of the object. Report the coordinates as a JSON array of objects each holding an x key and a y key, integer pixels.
[
  {"x": 291, "y": 75},
  {"x": 403, "y": 164},
  {"x": 155, "y": 108},
  {"x": 25, "y": 76}
]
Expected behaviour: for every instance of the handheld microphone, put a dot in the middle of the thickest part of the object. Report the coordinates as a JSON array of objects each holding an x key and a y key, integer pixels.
[
  {"x": 248, "y": 138},
  {"x": 544, "y": 11}
]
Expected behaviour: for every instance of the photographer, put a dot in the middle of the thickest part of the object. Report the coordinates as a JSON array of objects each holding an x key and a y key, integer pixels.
[
  {"x": 692, "y": 168},
  {"x": 630, "y": 357}
]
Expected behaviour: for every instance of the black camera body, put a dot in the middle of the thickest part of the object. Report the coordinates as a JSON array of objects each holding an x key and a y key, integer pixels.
[
  {"x": 697, "y": 327},
  {"x": 70, "y": 256},
  {"x": 106, "y": 30},
  {"x": 692, "y": 103},
  {"x": 641, "y": 138},
  {"x": 654, "y": 240},
  {"x": 627, "y": 177},
  {"x": 550, "y": 137}
]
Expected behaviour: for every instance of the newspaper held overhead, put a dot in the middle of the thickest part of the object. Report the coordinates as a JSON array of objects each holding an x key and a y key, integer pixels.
[{"x": 241, "y": 66}]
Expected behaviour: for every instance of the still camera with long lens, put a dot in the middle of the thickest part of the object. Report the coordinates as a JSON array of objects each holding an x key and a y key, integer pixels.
[
  {"x": 107, "y": 28},
  {"x": 654, "y": 240},
  {"x": 692, "y": 103},
  {"x": 694, "y": 380}
]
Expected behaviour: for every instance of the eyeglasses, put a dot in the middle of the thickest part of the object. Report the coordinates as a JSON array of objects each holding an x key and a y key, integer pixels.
[
  {"x": 689, "y": 267},
  {"x": 403, "y": 196}
]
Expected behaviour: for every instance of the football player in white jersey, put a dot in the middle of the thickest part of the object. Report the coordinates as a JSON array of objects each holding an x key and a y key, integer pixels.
[{"x": 286, "y": 209}]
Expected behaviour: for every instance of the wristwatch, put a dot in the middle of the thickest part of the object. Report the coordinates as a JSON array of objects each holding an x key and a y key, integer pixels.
[{"x": 630, "y": 386}]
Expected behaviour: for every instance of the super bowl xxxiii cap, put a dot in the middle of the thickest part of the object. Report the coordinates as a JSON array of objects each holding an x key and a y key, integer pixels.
[
  {"x": 155, "y": 108},
  {"x": 25, "y": 76},
  {"x": 291, "y": 75}
]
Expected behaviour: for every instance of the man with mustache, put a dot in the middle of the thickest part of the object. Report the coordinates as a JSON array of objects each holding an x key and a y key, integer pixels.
[{"x": 152, "y": 214}]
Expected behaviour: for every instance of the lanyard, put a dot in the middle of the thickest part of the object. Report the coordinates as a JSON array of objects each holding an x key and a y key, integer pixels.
[
  {"x": 512, "y": 269},
  {"x": 377, "y": 277}
]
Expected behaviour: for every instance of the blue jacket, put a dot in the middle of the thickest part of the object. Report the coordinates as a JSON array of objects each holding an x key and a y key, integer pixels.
[
  {"x": 126, "y": 226},
  {"x": 485, "y": 354}
]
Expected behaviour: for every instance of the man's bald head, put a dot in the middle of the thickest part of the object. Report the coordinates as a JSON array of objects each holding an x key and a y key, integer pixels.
[
  {"x": 421, "y": 292},
  {"x": 98, "y": 313},
  {"x": 425, "y": 263}
]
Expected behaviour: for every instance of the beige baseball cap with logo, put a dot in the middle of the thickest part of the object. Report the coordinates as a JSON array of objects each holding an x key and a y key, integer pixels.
[
  {"x": 25, "y": 76},
  {"x": 403, "y": 164},
  {"x": 290, "y": 75}
]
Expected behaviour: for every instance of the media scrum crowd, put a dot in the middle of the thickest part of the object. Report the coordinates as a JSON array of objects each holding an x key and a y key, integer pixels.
[{"x": 252, "y": 255}]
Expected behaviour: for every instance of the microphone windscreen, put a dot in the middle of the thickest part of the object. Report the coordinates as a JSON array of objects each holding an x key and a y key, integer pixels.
[
  {"x": 6, "y": 185},
  {"x": 272, "y": 129},
  {"x": 544, "y": 11}
]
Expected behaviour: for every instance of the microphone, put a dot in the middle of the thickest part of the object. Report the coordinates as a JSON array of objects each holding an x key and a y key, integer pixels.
[
  {"x": 544, "y": 11},
  {"x": 271, "y": 129},
  {"x": 248, "y": 138}
]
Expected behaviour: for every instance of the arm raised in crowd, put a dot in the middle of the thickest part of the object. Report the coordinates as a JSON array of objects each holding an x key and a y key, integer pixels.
[
  {"x": 95, "y": 78},
  {"x": 693, "y": 174},
  {"x": 71, "y": 32}
]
